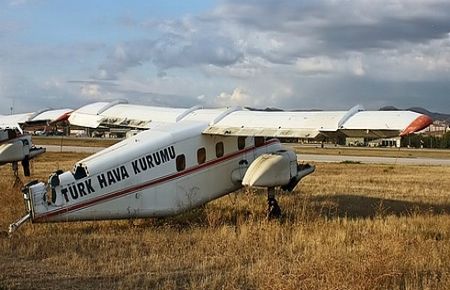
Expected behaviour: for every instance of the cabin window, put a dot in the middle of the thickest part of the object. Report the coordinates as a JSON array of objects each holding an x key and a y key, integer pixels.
[
  {"x": 241, "y": 143},
  {"x": 201, "y": 155},
  {"x": 259, "y": 141},
  {"x": 181, "y": 162},
  {"x": 219, "y": 149}
]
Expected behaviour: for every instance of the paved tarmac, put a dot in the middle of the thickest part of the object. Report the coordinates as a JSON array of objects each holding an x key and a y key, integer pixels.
[{"x": 301, "y": 157}]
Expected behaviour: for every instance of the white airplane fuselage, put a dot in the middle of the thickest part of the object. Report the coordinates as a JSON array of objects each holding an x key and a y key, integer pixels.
[
  {"x": 15, "y": 147},
  {"x": 159, "y": 172}
]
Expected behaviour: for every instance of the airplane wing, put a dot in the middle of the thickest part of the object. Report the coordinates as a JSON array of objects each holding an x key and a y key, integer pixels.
[
  {"x": 122, "y": 114},
  {"x": 9, "y": 120},
  {"x": 375, "y": 124},
  {"x": 50, "y": 115},
  {"x": 46, "y": 115},
  {"x": 236, "y": 121}
]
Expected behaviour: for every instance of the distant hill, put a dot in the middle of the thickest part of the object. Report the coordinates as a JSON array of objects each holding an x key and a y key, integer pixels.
[
  {"x": 272, "y": 109},
  {"x": 268, "y": 109},
  {"x": 434, "y": 115}
]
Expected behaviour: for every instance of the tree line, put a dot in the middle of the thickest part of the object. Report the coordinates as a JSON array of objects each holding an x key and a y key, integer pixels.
[{"x": 426, "y": 141}]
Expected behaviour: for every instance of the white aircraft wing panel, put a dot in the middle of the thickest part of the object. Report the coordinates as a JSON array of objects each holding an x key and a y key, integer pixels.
[
  {"x": 277, "y": 124},
  {"x": 122, "y": 115},
  {"x": 385, "y": 123},
  {"x": 312, "y": 124},
  {"x": 51, "y": 115},
  {"x": 235, "y": 121},
  {"x": 381, "y": 120},
  {"x": 14, "y": 119}
]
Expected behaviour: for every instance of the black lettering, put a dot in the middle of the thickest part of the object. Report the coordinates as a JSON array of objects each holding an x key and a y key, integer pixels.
[
  {"x": 157, "y": 158},
  {"x": 64, "y": 193},
  {"x": 172, "y": 152},
  {"x": 124, "y": 172},
  {"x": 102, "y": 180},
  {"x": 110, "y": 176},
  {"x": 89, "y": 187},
  {"x": 116, "y": 172},
  {"x": 164, "y": 155},
  {"x": 81, "y": 191},
  {"x": 143, "y": 164},
  {"x": 149, "y": 161},
  {"x": 73, "y": 192},
  {"x": 135, "y": 167}
]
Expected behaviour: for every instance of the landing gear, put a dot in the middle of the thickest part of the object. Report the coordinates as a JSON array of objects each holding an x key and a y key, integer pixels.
[
  {"x": 17, "y": 181},
  {"x": 273, "y": 210},
  {"x": 26, "y": 166}
]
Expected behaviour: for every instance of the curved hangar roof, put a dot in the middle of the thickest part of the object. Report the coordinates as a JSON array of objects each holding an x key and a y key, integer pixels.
[{"x": 236, "y": 121}]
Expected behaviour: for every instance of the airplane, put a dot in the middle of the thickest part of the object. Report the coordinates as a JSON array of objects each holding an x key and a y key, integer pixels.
[
  {"x": 184, "y": 158},
  {"x": 15, "y": 145}
]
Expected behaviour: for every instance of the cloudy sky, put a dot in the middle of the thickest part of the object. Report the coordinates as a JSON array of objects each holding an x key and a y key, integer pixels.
[{"x": 287, "y": 54}]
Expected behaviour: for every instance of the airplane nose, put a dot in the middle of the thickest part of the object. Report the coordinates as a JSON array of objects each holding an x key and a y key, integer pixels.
[{"x": 418, "y": 124}]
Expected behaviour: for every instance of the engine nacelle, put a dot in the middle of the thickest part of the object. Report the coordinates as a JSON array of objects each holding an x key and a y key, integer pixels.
[
  {"x": 11, "y": 152},
  {"x": 270, "y": 170},
  {"x": 35, "y": 194}
]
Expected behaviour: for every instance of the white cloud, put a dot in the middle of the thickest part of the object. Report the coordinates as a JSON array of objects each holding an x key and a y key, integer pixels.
[
  {"x": 237, "y": 98},
  {"x": 91, "y": 91}
]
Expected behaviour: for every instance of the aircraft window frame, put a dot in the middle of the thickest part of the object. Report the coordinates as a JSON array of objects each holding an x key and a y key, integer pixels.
[
  {"x": 259, "y": 141},
  {"x": 79, "y": 172},
  {"x": 201, "y": 155},
  {"x": 219, "y": 149},
  {"x": 241, "y": 142},
  {"x": 180, "y": 162}
]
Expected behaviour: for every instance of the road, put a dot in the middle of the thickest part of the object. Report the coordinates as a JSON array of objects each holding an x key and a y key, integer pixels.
[
  {"x": 374, "y": 160},
  {"x": 78, "y": 149},
  {"x": 301, "y": 157}
]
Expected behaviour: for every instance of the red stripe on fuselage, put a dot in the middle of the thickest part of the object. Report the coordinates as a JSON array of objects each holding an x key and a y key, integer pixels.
[{"x": 120, "y": 193}]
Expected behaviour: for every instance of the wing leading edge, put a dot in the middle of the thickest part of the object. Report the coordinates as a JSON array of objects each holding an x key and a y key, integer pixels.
[
  {"x": 46, "y": 115},
  {"x": 236, "y": 121},
  {"x": 311, "y": 125}
]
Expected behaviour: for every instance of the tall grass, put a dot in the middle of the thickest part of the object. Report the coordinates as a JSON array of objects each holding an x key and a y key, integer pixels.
[{"x": 348, "y": 226}]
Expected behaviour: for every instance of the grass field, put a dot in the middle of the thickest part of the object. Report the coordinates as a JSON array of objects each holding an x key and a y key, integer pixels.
[{"x": 348, "y": 226}]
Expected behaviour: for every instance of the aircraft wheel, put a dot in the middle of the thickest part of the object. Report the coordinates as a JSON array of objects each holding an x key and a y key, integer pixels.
[{"x": 273, "y": 210}]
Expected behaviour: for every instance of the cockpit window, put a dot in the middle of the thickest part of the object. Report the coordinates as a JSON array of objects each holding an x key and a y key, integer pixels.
[
  {"x": 80, "y": 172},
  {"x": 12, "y": 134}
]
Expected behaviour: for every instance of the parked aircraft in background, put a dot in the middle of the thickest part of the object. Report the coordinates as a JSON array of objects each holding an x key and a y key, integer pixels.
[
  {"x": 184, "y": 158},
  {"x": 15, "y": 145}
]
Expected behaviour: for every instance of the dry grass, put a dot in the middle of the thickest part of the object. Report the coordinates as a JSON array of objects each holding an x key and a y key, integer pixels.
[{"x": 349, "y": 226}]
